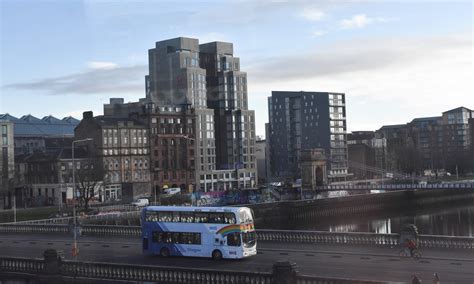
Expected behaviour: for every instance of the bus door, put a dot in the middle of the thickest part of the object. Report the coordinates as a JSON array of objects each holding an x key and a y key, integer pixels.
[{"x": 233, "y": 242}]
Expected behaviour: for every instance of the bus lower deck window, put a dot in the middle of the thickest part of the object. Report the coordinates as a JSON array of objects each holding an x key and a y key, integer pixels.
[{"x": 176, "y": 238}]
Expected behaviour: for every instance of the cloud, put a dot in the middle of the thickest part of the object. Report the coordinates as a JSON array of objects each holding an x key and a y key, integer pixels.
[
  {"x": 101, "y": 65},
  {"x": 318, "y": 33},
  {"x": 354, "y": 56},
  {"x": 104, "y": 79},
  {"x": 252, "y": 13},
  {"x": 414, "y": 74},
  {"x": 313, "y": 14},
  {"x": 361, "y": 20}
]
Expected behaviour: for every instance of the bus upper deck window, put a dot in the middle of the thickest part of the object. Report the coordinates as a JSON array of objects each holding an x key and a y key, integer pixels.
[
  {"x": 229, "y": 218},
  {"x": 201, "y": 217},
  {"x": 151, "y": 216},
  {"x": 215, "y": 217},
  {"x": 175, "y": 217},
  {"x": 187, "y": 217},
  {"x": 165, "y": 216}
]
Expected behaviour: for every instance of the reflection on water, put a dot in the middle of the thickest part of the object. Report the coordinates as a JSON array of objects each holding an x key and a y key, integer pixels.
[{"x": 450, "y": 222}]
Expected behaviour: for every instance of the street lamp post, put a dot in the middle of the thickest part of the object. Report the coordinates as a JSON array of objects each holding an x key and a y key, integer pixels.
[
  {"x": 75, "y": 251},
  {"x": 14, "y": 205},
  {"x": 301, "y": 181}
]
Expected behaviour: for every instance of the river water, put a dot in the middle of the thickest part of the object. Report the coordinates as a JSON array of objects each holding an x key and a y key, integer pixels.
[
  {"x": 458, "y": 221},
  {"x": 449, "y": 221}
]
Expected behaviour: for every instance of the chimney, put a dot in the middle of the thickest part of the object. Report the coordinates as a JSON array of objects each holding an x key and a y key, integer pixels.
[{"x": 87, "y": 115}]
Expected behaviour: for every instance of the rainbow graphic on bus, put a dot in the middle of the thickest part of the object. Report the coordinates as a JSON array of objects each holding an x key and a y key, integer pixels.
[{"x": 234, "y": 229}]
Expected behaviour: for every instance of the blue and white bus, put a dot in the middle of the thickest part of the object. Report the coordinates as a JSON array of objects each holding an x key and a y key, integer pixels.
[{"x": 217, "y": 232}]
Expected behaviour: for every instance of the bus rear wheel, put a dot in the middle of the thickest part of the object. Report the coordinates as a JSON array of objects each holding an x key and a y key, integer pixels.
[
  {"x": 165, "y": 252},
  {"x": 217, "y": 255}
]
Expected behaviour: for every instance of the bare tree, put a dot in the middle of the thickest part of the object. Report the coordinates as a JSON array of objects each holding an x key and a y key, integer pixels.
[{"x": 88, "y": 179}]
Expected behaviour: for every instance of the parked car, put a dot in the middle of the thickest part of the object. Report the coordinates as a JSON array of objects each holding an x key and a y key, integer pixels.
[
  {"x": 171, "y": 191},
  {"x": 141, "y": 202}
]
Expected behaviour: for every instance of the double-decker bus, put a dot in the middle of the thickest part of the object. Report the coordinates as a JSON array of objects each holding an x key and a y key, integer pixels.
[{"x": 217, "y": 232}]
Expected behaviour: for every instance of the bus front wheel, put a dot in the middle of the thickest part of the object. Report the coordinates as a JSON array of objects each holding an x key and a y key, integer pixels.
[
  {"x": 217, "y": 254},
  {"x": 165, "y": 252}
]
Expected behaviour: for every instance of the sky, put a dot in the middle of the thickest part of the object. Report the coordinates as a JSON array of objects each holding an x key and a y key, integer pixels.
[{"x": 394, "y": 60}]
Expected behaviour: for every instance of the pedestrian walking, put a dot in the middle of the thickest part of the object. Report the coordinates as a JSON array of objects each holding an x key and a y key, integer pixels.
[
  {"x": 415, "y": 280},
  {"x": 435, "y": 278}
]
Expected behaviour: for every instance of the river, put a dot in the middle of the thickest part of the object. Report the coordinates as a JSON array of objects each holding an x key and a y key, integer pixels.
[{"x": 458, "y": 221}]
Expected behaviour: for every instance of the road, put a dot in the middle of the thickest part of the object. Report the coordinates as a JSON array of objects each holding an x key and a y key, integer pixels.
[{"x": 358, "y": 262}]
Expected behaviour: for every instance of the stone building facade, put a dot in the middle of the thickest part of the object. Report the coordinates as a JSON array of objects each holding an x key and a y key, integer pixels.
[
  {"x": 121, "y": 145},
  {"x": 7, "y": 163}
]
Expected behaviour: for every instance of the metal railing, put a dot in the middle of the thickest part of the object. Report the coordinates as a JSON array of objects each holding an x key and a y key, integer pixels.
[
  {"x": 287, "y": 236},
  {"x": 61, "y": 220},
  {"x": 101, "y": 230},
  {"x": 117, "y": 207},
  {"x": 112, "y": 216},
  {"x": 33, "y": 228}
]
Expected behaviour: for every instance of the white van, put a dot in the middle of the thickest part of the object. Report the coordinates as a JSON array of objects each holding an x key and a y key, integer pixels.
[
  {"x": 171, "y": 191},
  {"x": 141, "y": 202}
]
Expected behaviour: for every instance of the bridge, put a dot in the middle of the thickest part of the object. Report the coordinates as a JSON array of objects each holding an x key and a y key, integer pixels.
[
  {"x": 322, "y": 255},
  {"x": 114, "y": 251}
]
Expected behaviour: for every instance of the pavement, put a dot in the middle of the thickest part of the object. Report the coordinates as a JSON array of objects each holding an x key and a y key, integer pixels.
[{"x": 344, "y": 261}]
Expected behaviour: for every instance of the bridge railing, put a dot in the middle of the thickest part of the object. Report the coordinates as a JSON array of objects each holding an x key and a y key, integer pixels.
[
  {"x": 352, "y": 238},
  {"x": 64, "y": 270},
  {"x": 395, "y": 186},
  {"x": 61, "y": 220},
  {"x": 33, "y": 228},
  {"x": 289, "y": 236},
  {"x": 21, "y": 265},
  {"x": 359, "y": 238},
  {"x": 432, "y": 241},
  {"x": 108, "y": 216},
  {"x": 110, "y": 230},
  {"x": 306, "y": 279}
]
